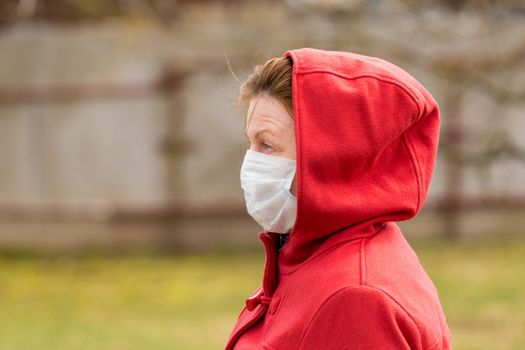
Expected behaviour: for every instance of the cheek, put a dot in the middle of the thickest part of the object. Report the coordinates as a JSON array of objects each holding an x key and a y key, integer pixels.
[{"x": 289, "y": 147}]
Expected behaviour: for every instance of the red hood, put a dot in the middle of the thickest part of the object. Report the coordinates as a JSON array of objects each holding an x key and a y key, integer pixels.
[{"x": 366, "y": 141}]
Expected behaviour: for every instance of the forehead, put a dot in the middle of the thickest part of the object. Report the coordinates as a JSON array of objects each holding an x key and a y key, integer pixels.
[{"x": 266, "y": 109}]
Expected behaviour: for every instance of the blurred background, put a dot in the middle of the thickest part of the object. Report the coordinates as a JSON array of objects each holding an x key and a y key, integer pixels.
[{"x": 122, "y": 220}]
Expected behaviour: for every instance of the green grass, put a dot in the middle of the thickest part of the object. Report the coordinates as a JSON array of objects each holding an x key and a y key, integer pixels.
[
  {"x": 192, "y": 301},
  {"x": 482, "y": 287}
]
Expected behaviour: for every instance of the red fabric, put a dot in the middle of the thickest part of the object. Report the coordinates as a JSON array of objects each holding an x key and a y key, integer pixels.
[{"x": 366, "y": 141}]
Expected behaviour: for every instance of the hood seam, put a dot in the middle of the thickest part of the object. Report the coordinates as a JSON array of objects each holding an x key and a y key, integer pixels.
[
  {"x": 415, "y": 165},
  {"x": 406, "y": 89},
  {"x": 362, "y": 262},
  {"x": 330, "y": 248}
]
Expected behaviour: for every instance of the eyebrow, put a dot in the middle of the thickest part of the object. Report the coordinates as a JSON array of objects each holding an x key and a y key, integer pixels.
[{"x": 260, "y": 132}]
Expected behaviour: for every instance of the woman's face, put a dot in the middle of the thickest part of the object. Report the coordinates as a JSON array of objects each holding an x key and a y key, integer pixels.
[{"x": 270, "y": 129}]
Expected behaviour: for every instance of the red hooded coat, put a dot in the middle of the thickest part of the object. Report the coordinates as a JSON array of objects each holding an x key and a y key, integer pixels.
[{"x": 366, "y": 142}]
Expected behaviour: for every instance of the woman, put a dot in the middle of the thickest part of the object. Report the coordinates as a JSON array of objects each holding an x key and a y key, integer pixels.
[{"x": 341, "y": 146}]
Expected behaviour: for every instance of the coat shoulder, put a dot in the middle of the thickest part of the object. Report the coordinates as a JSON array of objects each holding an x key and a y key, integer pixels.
[
  {"x": 380, "y": 278},
  {"x": 361, "y": 317}
]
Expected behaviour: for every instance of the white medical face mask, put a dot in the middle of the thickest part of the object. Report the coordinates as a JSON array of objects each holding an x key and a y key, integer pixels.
[{"x": 266, "y": 181}]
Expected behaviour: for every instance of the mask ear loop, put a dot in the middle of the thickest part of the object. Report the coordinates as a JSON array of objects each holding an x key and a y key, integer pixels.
[
  {"x": 285, "y": 207},
  {"x": 289, "y": 179}
]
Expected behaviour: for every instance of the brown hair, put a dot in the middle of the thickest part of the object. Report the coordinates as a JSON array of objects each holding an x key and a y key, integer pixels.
[{"x": 274, "y": 78}]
